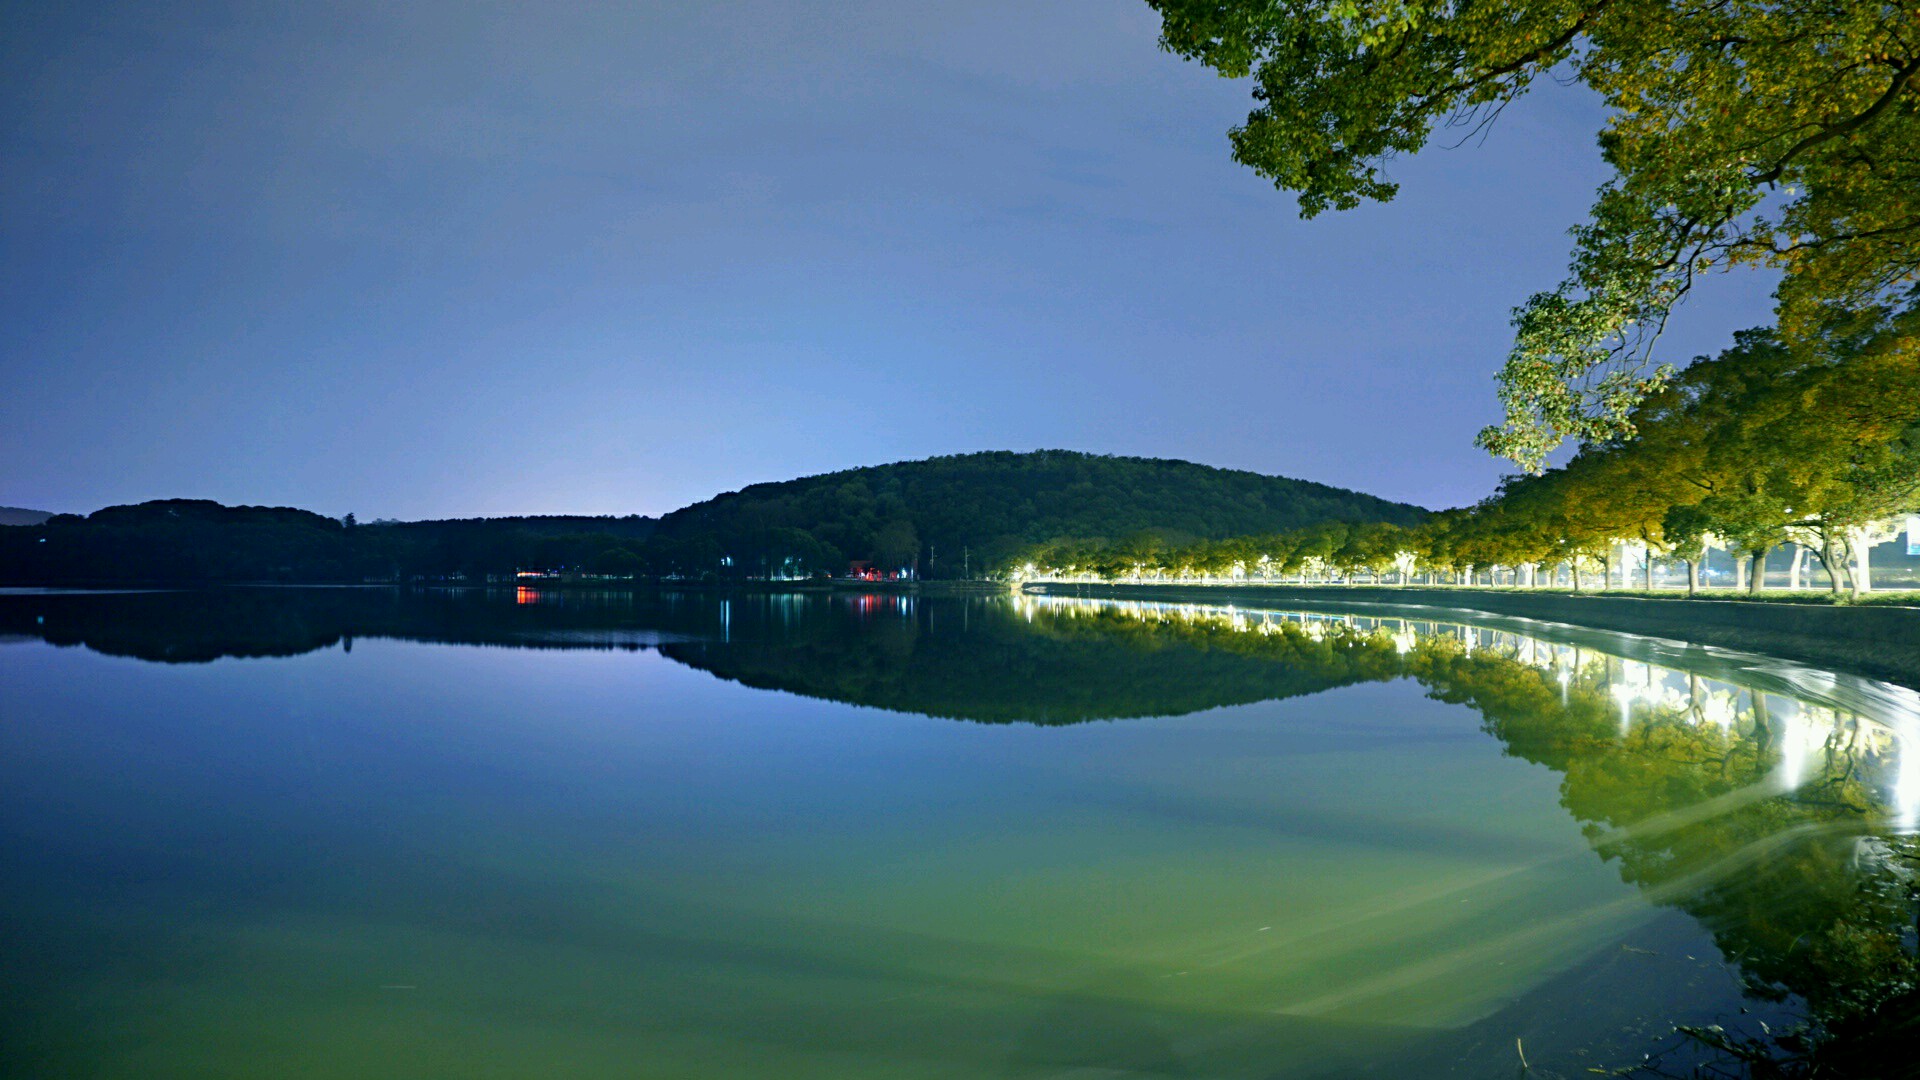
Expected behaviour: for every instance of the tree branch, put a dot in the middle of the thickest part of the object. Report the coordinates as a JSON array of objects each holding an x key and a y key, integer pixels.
[{"x": 1851, "y": 124}]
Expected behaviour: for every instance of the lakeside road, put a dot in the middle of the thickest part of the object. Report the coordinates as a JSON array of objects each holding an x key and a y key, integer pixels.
[{"x": 1881, "y": 642}]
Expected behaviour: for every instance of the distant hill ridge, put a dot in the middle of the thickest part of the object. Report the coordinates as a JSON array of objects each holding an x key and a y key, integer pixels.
[
  {"x": 981, "y": 507},
  {"x": 943, "y": 516},
  {"x": 16, "y": 515}
]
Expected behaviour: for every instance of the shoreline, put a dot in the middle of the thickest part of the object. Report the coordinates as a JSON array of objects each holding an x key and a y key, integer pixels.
[{"x": 1879, "y": 642}]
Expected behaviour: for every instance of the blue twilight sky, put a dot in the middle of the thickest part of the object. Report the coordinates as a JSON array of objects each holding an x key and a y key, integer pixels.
[{"x": 436, "y": 259}]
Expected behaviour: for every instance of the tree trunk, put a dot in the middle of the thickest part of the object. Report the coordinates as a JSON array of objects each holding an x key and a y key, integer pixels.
[
  {"x": 1649, "y": 568},
  {"x": 1862, "y": 572},
  {"x": 1830, "y": 561},
  {"x": 1739, "y": 572},
  {"x": 1798, "y": 566},
  {"x": 1573, "y": 567},
  {"x": 1693, "y": 576},
  {"x": 1757, "y": 579}
]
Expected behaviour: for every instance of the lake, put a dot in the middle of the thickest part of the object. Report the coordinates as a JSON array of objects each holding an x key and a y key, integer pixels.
[{"x": 368, "y": 832}]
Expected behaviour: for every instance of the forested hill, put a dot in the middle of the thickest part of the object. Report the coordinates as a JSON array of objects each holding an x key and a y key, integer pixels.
[
  {"x": 982, "y": 508},
  {"x": 195, "y": 540},
  {"x": 944, "y": 516}
]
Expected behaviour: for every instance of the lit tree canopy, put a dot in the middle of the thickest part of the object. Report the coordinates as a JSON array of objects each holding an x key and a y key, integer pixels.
[
  {"x": 1740, "y": 133},
  {"x": 1771, "y": 440}
]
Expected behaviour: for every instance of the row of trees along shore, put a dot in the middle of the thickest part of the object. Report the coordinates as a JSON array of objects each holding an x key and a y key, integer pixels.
[
  {"x": 1775, "y": 136},
  {"x": 1813, "y": 442}
]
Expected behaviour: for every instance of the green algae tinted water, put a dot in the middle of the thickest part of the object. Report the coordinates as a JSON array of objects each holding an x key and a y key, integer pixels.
[{"x": 352, "y": 833}]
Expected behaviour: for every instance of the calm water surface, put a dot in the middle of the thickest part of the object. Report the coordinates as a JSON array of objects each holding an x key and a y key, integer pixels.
[{"x": 351, "y": 833}]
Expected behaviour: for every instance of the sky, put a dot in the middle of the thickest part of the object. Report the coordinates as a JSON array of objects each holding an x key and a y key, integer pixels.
[{"x": 455, "y": 259}]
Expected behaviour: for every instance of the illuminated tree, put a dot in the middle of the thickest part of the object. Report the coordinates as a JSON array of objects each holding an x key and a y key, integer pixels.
[{"x": 1777, "y": 135}]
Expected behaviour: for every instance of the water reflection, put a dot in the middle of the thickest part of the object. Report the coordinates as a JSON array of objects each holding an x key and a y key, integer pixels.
[
  {"x": 1775, "y": 807},
  {"x": 1773, "y": 804},
  {"x": 1806, "y": 736}
]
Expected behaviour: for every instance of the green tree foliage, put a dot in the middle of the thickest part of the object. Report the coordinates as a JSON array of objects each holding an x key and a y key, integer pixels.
[
  {"x": 1778, "y": 135},
  {"x": 1816, "y": 439},
  {"x": 616, "y": 562}
]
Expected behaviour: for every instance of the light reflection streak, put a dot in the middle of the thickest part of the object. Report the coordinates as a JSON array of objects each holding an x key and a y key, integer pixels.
[{"x": 1823, "y": 721}]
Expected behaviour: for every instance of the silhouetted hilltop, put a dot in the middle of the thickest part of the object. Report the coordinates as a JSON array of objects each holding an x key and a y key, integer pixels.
[
  {"x": 974, "y": 511},
  {"x": 946, "y": 517},
  {"x": 178, "y": 540},
  {"x": 16, "y": 515},
  {"x": 200, "y": 541},
  {"x": 629, "y": 527}
]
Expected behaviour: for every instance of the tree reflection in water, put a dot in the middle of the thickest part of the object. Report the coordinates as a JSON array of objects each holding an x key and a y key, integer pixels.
[
  {"x": 1774, "y": 804},
  {"x": 1780, "y": 817}
]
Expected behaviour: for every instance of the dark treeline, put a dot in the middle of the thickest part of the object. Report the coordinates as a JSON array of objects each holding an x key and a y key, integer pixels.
[
  {"x": 477, "y": 548},
  {"x": 195, "y": 540},
  {"x": 943, "y": 518}
]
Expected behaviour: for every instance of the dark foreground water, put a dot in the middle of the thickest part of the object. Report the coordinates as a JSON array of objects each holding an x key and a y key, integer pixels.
[{"x": 356, "y": 833}]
